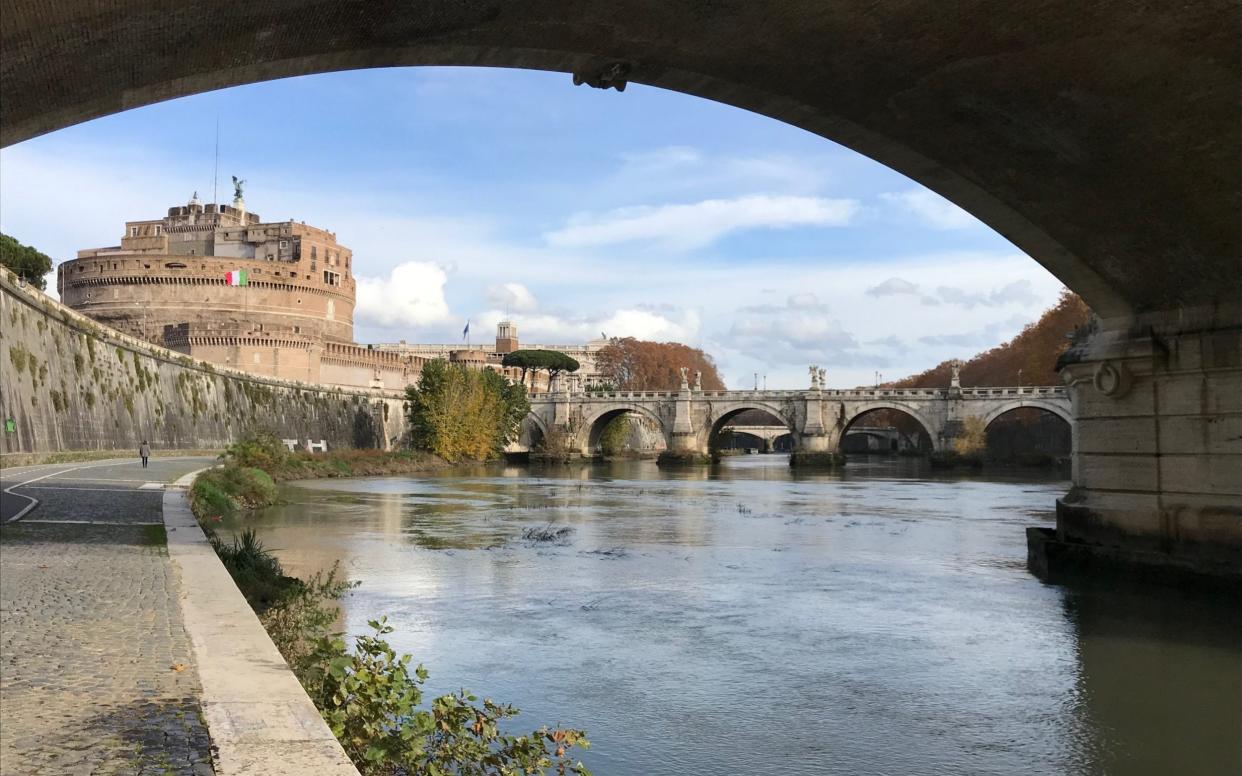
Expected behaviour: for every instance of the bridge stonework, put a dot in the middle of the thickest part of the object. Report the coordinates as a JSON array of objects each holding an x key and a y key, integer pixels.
[{"x": 817, "y": 419}]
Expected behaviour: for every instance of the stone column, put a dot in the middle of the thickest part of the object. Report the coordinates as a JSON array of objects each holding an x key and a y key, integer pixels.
[
  {"x": 683, "y": 439},
  {"x": 1157, "y": 446}
]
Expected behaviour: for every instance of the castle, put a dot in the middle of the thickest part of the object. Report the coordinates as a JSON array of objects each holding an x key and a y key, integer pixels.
[{"x": 217, "y": 283}]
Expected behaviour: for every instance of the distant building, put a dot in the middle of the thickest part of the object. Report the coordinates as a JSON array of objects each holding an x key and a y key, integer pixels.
[
  {"x": 587, "y": 376},
  {"x": 217, "y": 283}
]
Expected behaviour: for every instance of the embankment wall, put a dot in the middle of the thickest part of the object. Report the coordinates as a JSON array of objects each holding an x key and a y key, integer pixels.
[{"x": 68, "y": 383}]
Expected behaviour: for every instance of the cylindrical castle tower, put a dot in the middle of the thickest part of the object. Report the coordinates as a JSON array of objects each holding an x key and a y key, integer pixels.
[{"x": 215, "y": 282}]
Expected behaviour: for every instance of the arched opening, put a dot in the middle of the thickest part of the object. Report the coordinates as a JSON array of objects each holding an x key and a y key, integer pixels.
[
  {"x": 530, "y": 435},
  {"x": 747, "y": 430},
  {"x": 1029, "y": 436},
  {"x": 944, "y": 127},
  {"x": 783, "y": 443},
  {"x": 886, "y": 431},
  {"x": 625, "y": 433},
  {"x": 740, "y": 441}
]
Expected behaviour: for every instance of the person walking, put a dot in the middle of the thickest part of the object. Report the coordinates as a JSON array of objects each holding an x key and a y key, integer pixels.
[{"x": 144, "y": 451}]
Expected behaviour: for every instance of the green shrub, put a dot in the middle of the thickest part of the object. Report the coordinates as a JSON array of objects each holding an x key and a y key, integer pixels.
[
  {"x": 260, "y": 451},
  {"x": 208, "y": 499},
  {"x": 464, "y": 414},
  {"x": 370, "y": 698},
  {"x": 226, "y": 490}
]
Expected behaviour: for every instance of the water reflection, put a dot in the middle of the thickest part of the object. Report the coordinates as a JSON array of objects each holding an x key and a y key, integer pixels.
[{"x": 744, "y": 619}]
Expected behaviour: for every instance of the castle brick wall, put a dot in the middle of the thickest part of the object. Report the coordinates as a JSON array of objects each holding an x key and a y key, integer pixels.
[
  {"x": 69, "y": 383},
  {"x": 141, "y": 294}
]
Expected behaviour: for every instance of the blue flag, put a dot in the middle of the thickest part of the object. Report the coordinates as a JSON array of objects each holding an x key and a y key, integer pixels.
[{"x": 466, "y": 331}]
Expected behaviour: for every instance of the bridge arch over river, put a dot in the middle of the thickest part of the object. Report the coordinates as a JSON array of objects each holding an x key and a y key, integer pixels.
[
  {"x": 817, "y": 418},
  {"x": 1103, "y": 138}
]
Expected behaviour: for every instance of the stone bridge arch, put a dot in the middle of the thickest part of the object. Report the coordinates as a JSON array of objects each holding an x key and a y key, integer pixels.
[
  {"x": 594, "y": 419},
  {"x": 719, "y": 415},
  {"x": 532, "y": 431},
  {"x": 856, "y": 411},
  {"x": 977, "y": 130},
  {"x": 1060, "y": 411}
]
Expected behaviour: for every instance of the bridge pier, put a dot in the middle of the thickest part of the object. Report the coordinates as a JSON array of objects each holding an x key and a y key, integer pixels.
[{"x": 1157, "y": 459}]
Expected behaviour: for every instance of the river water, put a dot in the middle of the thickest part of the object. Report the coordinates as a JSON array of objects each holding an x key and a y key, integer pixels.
[{"x": 746, "y": 620}]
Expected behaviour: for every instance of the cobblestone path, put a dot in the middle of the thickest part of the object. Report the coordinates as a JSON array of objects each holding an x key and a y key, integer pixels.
[{"x": 96, "y": 670}]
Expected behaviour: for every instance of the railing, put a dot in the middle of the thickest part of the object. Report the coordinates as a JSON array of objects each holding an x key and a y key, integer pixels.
[{"x": 1046, "y": 391}]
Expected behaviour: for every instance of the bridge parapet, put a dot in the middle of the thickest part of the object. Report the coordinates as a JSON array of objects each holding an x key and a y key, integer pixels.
[
  {"x": 858, "y": 394},
  {"x": 817, "y": 418}
]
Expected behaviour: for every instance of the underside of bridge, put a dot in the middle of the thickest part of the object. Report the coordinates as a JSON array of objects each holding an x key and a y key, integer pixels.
[{"x": 1102, "y": 137}]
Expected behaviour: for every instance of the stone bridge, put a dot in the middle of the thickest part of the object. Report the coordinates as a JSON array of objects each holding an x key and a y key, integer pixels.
[{"x": 817, "y": 418}]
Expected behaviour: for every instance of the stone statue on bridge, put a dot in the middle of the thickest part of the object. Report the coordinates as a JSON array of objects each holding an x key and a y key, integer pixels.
[
  {"x": 823, "y": 377},
  {"x": 814, "y": 377},
  {"x": 698, "y": 380},
  {"x": 956, "y": 380},
  {"x": 685, "y": 378}
]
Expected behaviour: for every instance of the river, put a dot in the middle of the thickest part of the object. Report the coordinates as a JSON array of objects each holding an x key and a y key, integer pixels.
[{"x": 744, "y": 619}]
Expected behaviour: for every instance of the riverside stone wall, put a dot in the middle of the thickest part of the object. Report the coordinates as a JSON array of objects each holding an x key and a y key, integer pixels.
[{"x": 67, "y": 383}]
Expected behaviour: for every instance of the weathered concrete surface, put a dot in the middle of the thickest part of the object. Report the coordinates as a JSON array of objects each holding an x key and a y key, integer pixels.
[
  {"x": 1103, "y": 137},
  {"x": 71, "y": 384},
  {"x": 1158, "y": 441},
  {"x": 97, "y": 674},
  {"x": 261, "y": 721}
]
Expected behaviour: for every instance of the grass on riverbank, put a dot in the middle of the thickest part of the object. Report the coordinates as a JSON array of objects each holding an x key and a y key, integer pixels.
[{"x": 270, "y": 454}]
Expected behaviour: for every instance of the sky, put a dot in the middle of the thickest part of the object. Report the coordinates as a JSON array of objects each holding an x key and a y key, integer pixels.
[{"x": 472, "y": 194}]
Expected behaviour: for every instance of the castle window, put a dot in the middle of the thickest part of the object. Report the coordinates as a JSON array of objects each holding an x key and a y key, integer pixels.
[
  {"x": 314, "y": 252},
  {"x": 133, "y": 231},
  {"x": 158, "y": 229},
  {"x": 284, "y": 244}
]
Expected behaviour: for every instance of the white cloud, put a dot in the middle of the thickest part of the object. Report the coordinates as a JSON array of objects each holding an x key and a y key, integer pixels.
[
  {"x": 800, "y": 331},
  {"x": 932, "y": 209},
  {"x": 686, "y": 172},
  {"x": 412, "y": 295},
  {"x": 513, "y": 297},
  {"x": 648, "y": 323},
  {"x": 894, "y": 286},
  {"x": 1018, "y": 292},
  {"x": 701, "y": 223}
]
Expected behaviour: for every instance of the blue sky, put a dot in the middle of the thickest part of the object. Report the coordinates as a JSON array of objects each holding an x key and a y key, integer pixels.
[{"x": 468, "y": 192}]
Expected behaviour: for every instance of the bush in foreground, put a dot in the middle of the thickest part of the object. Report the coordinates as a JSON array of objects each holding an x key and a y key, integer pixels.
[{"x": 368, "y": 695}]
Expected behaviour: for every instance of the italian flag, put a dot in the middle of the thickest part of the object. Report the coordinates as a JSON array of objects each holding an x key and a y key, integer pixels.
[{"x": 236, "y": 278}]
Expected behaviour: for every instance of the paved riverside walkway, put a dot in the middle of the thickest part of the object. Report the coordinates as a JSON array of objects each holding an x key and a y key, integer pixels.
[{"x": 96, "y": 670}]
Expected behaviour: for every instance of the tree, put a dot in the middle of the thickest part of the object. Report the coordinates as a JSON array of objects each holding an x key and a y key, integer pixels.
[
  {"x": 464, "y": 414},
  {"x": 638, "y": 365},
  {"x": 552, "y": 361},
  {"x": 25, "y": 261}
]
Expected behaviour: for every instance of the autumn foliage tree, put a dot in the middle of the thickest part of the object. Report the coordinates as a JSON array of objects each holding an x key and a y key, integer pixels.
[
  {"x": 638, "y": 365},
  {"x": 464, "y": 414},
  {"x": 1028, "y": 359}
]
